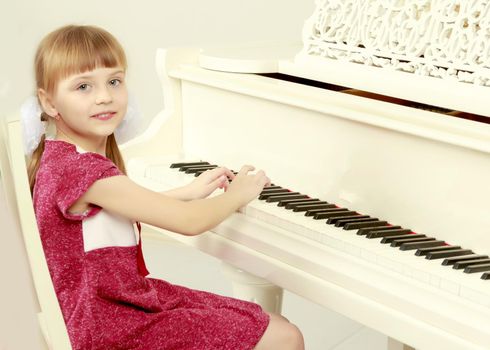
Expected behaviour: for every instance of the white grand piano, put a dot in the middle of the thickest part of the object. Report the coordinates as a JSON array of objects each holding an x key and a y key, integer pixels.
[{"x": 382, "y": 111}]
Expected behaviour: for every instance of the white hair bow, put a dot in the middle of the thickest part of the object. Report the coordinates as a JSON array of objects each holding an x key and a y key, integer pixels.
[{"x": 33, "y": 128}]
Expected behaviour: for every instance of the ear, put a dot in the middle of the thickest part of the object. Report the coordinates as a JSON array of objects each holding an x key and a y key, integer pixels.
[{"x": 47, "y": 103}]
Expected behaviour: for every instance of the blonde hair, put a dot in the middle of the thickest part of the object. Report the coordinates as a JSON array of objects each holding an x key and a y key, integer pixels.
[{"x": 71, "y": 50}]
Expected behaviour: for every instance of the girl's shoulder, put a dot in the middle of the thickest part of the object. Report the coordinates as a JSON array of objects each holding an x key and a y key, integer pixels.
[
  {"x": 58, "y": 152},
  {"x": 65, "y": 172},
  {"x": 65, "y": 159}
]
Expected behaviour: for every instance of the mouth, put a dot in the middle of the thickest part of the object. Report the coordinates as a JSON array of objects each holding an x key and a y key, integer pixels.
[{"x": 104, "y": 115}]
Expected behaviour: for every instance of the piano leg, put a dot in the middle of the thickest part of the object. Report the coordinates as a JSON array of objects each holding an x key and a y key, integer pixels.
[
  {"x": 252, "y": 288},
  {"x": 394, "y": 344}
]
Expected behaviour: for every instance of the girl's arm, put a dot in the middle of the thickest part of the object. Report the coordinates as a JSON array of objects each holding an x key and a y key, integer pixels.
[
  {"x": 122, "y": 196},
  {"x": 203, "y": 185}
]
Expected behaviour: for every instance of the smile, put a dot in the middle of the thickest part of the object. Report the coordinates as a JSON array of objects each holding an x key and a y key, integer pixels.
[{"x": 104, "y": 115}]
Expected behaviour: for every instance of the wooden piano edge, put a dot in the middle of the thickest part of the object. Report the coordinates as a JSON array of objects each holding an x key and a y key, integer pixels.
[{"x": 330, "y": 295}]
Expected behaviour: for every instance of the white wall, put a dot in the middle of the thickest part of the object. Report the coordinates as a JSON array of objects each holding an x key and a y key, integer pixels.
[{"x": 143, "y": 26}]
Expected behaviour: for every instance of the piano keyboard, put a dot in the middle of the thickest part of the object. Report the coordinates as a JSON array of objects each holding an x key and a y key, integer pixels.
[
  {"x": 449, "y": 267},
  {"x": 366, "y": 226}
]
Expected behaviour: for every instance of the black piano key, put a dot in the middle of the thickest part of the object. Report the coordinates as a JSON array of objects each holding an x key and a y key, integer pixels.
[
  {"x": 443, "y": 248},
  {"x": 400, "y": 241},
  {"x": 335, "y": 219},
  {"x": 387, "y": 233},
  {"x": 464, "y": 264},
  {"x": 185, "y": 167},
  {"x": 285, "y": 202},
  {"x": 447, "y": 254},
  {"x": 201, "y": 169},
  {"x": 477, "y": 268},
  {"x": 453, "y": 260},
  {"x": 485, "y": 276},
  {"x": 326, "y": 215},
  {"x": 284, "y": 191},
  {"x": 179, "y": 165},
  {"x": 417, "y": 245},
  {"x": 403, "y": 237},
  {"x": 281, "y": 197},
  {"x": 267, "y": 195},
  {"x": 294, "y": 205},
  {"x": 359, "y": 225},
  {"x": 343, "y": 222},
  {"x": 313, "y": 212},
  {"x": 274, "y": 190},
  {"x": 300, "y": 206},
  {"x": 271, "y": 187},
  {"x": 366, "y": 230}
]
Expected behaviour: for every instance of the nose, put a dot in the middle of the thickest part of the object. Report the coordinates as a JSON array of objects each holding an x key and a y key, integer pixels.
[{"x": 103, "y": 96}]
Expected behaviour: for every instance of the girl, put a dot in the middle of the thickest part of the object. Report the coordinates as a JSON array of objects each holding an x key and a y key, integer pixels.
[{"x": 85, "y": 206}]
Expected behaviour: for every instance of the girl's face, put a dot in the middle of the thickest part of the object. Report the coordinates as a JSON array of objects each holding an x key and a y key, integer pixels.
[{"x": 90, "y": 105}]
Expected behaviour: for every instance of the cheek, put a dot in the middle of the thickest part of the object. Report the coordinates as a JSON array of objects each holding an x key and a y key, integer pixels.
[
  {"x": 72, "y": 110},
  {"x": 122, "y": 101},
  {"x": 122, "y": 96}
]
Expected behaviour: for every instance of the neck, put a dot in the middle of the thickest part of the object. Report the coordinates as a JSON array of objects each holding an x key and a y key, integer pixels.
[{"x": 90, "y": 145}]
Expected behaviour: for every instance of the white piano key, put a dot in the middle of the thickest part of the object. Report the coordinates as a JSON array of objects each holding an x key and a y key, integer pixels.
[
  {"x": 435, "y": 281},
  {"x": 369, "y": 255},
  {"x": 430, "y": 272},
  {"x": 475, "y": 295},
  {"x": 449, "y": 286}
]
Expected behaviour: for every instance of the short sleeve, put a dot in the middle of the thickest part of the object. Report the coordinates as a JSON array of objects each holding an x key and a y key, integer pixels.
[{"x": 79, "y": 173}]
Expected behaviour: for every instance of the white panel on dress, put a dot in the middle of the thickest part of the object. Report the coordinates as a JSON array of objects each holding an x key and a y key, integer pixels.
[{"x": 107, "y": 230}]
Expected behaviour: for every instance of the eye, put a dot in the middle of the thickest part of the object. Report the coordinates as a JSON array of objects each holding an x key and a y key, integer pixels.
[
  {"x": 83, "y": 87},
  {"x": 115, "y": 82}
]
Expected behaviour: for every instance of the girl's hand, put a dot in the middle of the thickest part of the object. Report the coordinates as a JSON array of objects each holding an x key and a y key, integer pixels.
[
  {"x": 248, "y": 186},
  {"x": 209, "y": 181}
]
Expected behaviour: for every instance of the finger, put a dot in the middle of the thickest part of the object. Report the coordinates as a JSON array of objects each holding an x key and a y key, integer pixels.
[
  {"x": 207, "y": 174},
  {"x": 229, "y": 174},
  {"x": 220, "y": 182},
  {"x": 263, "y": 179},
  {"x": 210, "y": 175},
  {"x": 268, "y": 182},
  {"x": 217, "y": 172},
  {"x": 224, "y": 182},
  {"x": 246, "y": 169},
  {"x": 224, "y": 185}
]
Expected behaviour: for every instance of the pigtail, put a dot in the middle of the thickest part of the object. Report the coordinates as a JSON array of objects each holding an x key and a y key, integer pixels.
[
  {"x": 113, "y": 153},
  {"x": 35, "y": 159}
]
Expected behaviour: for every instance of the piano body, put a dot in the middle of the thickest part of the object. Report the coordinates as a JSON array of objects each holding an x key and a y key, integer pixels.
[{"x": 380, "y": 139}]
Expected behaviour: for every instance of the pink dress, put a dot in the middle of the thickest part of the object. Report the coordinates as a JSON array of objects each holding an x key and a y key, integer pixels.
[{"x": 107, "y": 303}]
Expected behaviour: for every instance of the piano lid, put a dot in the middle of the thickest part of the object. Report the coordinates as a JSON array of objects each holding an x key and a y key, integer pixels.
[
  {"x": 261, "y": 57},
  {"x": 428, "y": 52}
]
